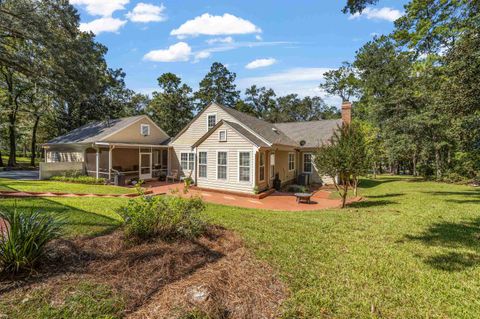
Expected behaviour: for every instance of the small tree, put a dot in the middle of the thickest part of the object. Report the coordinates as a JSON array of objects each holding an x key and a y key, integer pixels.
[{"x": 344, "y": 158}]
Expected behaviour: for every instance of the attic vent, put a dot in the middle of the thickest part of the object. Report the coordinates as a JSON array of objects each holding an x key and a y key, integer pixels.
[
  {"x": 302, "y": 142},
  {"x": 274, "y": 129}
]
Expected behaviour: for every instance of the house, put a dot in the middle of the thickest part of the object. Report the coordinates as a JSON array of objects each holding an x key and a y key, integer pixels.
[{"x": 221, "y": 148}]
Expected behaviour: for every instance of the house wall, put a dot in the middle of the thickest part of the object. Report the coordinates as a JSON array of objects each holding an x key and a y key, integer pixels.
[
  {"x": 65, "y": 153},
  {"x": 234, "y": 144},
  {"x": 197, "y": 129},
  {"x": 48, "y": 170},
  {"x": 314, "y": 176},
  {"x": 131, "y": 134}
]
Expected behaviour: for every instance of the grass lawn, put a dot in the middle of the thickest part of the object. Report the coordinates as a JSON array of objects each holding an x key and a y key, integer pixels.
[
  {"x": 21, "y": 161},
  {"x": 53, "y": 186},
  {"x": 410, "y": 250}
]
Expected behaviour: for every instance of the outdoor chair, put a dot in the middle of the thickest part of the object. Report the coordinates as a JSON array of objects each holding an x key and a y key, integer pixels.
[{"x": 173, "y": 175}]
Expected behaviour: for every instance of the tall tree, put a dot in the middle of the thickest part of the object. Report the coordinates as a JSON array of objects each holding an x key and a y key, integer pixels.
[
  {"x": 341, "y": 82},
  {"x": 217, "y": 86},
  {"x": 171, "y": 108}
]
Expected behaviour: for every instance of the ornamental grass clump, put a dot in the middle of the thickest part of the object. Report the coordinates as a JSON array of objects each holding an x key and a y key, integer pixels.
[
  {"x": 23, "y": 237},
  {"x": 166, "y": 217}
]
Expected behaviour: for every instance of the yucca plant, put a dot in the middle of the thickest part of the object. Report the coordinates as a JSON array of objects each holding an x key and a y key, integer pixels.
[{"x": 24, "y": 237}]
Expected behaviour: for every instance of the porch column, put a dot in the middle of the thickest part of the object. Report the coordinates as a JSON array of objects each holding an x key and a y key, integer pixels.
[
  {"x": 97, "y": 162},
  {"x": 110, "y": 163}
]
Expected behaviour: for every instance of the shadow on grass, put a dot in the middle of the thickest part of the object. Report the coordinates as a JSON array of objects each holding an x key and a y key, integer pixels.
[
  {"x": 473, "y": 196},
  {"x": 371, "y": 203},
  {"x": 76, "y": 221},
  {"x": 370, "y": 183},
  {"x": 388, "y": 195},
  {"x": 454, "y": 236}
]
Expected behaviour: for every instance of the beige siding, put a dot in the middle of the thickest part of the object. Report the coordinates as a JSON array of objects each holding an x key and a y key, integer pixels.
[
  {"x": 235, "y": 144},
  {"x": 197, "y": 129},
  {"x": 314, "y": 176},
  {"x": 281, "y": 167},
  {"x": 132, "y": 134}
]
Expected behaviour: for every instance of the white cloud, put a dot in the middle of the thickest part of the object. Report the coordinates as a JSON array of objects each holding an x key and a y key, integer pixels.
[
  {"x": 105, "y": 24},
  {"x": 144, "y": 12},
  {"x": 301, "y": 81},
  {"x": 179, "y": 52},
  {"x": 260, "y": 63},
  {"x": 258, "y": 37},
  {"x": 202, "y": 55},
  {"x": 208, "y": 24},
  {"x": 220, "y": 40},
  {"x": 103, "y": 8},
  {"x": 385, "y": 13}
]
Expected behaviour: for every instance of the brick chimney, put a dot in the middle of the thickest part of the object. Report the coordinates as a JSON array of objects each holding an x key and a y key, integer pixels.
[{"x": 346, "y": 112}]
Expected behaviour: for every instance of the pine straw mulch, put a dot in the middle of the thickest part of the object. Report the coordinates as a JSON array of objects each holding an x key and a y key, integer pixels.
[{"x": 214, "y": 275}]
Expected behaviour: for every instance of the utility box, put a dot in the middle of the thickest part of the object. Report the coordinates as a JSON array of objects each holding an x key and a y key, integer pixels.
[
  {"x": 119, "y": 179},
  {"x": 303, "y": 179}
]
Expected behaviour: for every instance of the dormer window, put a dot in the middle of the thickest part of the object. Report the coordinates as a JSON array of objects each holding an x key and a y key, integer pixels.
[
  {"x": 145, "y": 129},
  {"x": 211, "y": 120},
  {"x": 222, "y": 135}
]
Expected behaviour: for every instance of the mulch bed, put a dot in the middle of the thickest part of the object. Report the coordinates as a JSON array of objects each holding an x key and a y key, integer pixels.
[{"x": 214, "y": 274}]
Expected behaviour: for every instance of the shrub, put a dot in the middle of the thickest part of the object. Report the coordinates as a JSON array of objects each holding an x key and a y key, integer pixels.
[
  {"x": 163, "y": 217},
  {"x": 297, "y": 189},
  {"x": 23, "y": 241},
  {"x": 83, "y": 179}
]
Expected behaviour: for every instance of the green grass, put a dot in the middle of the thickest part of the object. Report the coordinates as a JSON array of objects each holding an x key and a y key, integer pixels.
[
  {"x": 82, "y": 216},
  {"x": 410, "y": 250},
  {"x": 79, "y": 300},
  {"x": 62, "y": 187},
  {"x": 21, "y": 161}
]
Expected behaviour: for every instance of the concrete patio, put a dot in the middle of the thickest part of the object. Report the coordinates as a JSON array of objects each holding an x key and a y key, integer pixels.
[{"x": 277, "y": 201}]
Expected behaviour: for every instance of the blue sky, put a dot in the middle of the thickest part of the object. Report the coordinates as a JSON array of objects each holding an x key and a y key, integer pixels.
[{"x": 286, "y": 45}]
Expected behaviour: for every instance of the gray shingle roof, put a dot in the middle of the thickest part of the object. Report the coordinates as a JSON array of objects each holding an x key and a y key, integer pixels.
[
  {"x": 266, "y": 130},
  {"x": 314, "y": 133},
  {"x": 95, "y": 131},
  {"x": 251, "y": 137}
]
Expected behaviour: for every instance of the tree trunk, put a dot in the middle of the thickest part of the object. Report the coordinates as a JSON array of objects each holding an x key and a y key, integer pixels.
[
  {"x": 1, "y": 160},
  {"x": 414, "y": 165},
  {"x": 34, "y": 141},
  {"x": 12, "y": 159},
  {"x": 438, "y": 169},
  {"x": 344, "y": 195}
]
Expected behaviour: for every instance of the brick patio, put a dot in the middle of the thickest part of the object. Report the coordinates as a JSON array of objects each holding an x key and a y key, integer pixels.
[{"x": 276, "y": 201}]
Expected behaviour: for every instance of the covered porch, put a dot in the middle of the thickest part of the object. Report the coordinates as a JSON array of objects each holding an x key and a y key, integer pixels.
[{"x": 135, "y": 161}]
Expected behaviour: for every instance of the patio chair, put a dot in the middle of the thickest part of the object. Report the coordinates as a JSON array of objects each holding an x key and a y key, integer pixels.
[{"x": 173, "y": 175}]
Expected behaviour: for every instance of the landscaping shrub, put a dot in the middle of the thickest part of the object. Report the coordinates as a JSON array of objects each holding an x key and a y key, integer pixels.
[
  {"x": 82, "y": 179},
  {"x": 23, "y": 240},
  {"x": 163, "y": 217},
  {"x": 297, "y": 189}
]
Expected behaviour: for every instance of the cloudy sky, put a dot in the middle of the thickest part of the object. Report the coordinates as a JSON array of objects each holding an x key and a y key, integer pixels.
[{"x": 285, "y": 45}]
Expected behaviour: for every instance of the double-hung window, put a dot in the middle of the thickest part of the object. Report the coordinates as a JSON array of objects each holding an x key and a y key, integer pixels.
[
  {"x": 202, "y": 164},
  {"x": 222, "y": 165},
  {"x": 244, "y": 166},
  {"x": 262, "y": 166},
  {"x": 211, "y": 120},
  {"x": 291, "y": 161},
  {"x": 307, "y": 163},
  {"x": 187, "y": 161},
  {"x": 222, "y": 135}
]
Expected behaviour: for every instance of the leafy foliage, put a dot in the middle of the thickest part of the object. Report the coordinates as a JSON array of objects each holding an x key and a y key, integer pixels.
[
  {"x": 22, "y": 243},
  {"x": 82, "y": 179},
  {"x": 164, "y": 217}
]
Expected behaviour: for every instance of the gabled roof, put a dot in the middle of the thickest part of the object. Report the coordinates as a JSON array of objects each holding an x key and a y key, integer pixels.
[
  {"x": 314, "y": 133},
  {"x": 237, "y": 127},
  {"x": 95, "y": 131},
  {"x": 263, "y": 129}
]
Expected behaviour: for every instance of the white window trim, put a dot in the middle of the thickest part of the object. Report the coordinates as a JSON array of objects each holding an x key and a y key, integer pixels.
[
  {"x": 188, "y": 161},
  {"x": 206, "y": 165},
  {"x": 216, "y": 167},
  {"x": 219, "y": 139},
  {"x": 211, "y": 114},
  {"x": 260, "y": 166},
  {"x": 294, "y": 162},
  {"x": 303, "y": 162},
  {"x": 141, "y": 129},
  {"x": 250, "y": 166}
]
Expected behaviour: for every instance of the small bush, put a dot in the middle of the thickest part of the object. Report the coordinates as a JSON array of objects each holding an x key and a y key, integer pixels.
[
  {"x": 23, "y": 241},
  {"x": 83, "y": 179},
  {"x": 297, "y": 189},
  {"x": 163, "y": 217}
]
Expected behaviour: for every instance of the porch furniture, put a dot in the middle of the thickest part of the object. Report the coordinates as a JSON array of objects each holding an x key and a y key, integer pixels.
[
  {"x": 303, "y": 197},
  {"x": 173, "y": 175}
]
